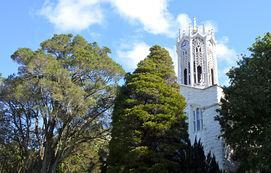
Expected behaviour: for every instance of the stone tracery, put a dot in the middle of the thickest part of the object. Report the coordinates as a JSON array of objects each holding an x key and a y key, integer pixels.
[{"x": 196, "y": 59}]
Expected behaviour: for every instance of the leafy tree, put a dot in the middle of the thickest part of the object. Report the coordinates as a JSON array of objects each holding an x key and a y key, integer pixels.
[
  {"x": 149, "y": 132},
  {"x": 8, "y": 153},
  {"x": 1, "y": 78},
  {"x": 57, "y": 100},
  {"x": 87, "y": 158},
  {"x": 245, "y": 114}
]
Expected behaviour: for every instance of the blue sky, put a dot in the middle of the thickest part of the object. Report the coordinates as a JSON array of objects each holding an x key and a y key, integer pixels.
[{"x": 130, "y": 27}]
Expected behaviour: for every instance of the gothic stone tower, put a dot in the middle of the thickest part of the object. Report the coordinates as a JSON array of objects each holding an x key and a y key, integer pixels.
[{"x": 197, "y": 75}]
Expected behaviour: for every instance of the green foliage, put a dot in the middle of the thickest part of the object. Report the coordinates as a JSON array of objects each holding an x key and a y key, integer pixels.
[
  {"x": 197, "y": 162},
  {"x": 56, "y": 101},
  {"x": 212, "y": 166},
  {"x": 1, "y": 78},
  {"x": 87, "y": 158},
  {"x": 245, "y": 115},
  {"x": 149, "y": 129}
]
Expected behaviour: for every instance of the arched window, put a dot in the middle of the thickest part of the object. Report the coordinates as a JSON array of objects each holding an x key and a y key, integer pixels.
[
  {"x": 197, "y": 119},
  {"x": 198, "y": 49},
  {"x": 212, "y": 76},
  {"x": 199, "y": 70},
  {"x": 185, "y": 76}
]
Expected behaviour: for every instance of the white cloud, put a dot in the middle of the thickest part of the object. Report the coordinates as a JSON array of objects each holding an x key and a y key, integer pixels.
[
  {"x": 154, "y": 15},
  {"x": 226, "y": 58},
  {"x": 224, "y": 53},
  {"x": 78, "y": 15},
  {"x": 129, "y": 57},
  {"x": 210, "y": 25},
  {"x": 184, "y": 21},
  {"x": 73, "y": 15},
  {"x": 173, "y": 55}
]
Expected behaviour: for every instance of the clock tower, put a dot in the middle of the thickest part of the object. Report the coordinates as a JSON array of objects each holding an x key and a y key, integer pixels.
[
  {"x": 196, "y": 57},
  {"x": 197, "y": 76}
]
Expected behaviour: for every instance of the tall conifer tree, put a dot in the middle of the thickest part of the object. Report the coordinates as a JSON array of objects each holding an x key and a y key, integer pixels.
[{"x": 149, "y": 131}]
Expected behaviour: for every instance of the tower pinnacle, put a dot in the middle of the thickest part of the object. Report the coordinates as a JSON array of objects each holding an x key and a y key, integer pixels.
[{"x": 195, "y": 25}]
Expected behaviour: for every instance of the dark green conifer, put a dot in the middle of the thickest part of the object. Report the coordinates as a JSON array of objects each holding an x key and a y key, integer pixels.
[
  {"x": 197, "y": 161},
  {"x": 149, "y": 131},
  {"x": 212, "y": 166},
  {"x": 198, "y": 158}
]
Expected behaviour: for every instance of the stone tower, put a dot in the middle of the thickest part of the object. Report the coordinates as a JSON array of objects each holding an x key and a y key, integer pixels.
[{"x": 197, "y": 75}]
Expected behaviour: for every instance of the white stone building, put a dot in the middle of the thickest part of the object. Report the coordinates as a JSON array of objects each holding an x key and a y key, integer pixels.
[{"x": 197, "y": 75}]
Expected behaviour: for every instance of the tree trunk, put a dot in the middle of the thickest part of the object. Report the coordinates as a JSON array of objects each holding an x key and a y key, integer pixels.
[
  {"x": 49, "y": 165},
  {"x": 50, "y": 162},
  {"x": 46, "y": 162},
  {"x": 53, "y": 166}
]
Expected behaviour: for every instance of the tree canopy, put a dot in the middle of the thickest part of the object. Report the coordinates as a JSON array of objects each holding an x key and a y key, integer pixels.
[
  {"x": 245, "y": 114},
  {"x": 87, "y": 158},
  {"x": 56, "y": 102},
  {"x": 149, "y": 129},
  {"x": 149, "y": 132}
]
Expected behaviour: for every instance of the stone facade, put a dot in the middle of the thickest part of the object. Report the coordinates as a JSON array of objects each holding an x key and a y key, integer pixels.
[
  {"x": 197, "y": 75},
  {"x": 206, "y": 101}
]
